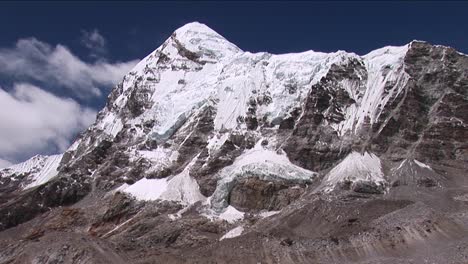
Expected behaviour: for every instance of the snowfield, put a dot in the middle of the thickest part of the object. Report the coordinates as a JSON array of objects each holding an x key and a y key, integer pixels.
[{"x": 356, "y": 167}]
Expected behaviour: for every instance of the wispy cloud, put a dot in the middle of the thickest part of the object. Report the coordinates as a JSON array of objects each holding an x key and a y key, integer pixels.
[
  {"x": 32, "y": 59},
  {"x": 4, "y": 163},
  {"x": 94, "y": 41},
  {"x": 34, "y": 119},
  {"x": 41, "y": 121}
]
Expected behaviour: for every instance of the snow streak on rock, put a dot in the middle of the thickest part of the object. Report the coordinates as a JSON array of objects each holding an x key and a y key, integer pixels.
[{"x": 233, "y": 233}]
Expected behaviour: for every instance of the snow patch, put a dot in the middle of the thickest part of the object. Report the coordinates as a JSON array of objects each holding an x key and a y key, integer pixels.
[
  {"x": 355, "y": 167},
  {"x": 147, "y": 189},
  {"x": 179, "y": 188},
  {"x": 231, "y": 214},
  {"x": 268, "y": 213},
  {"x": 233, "y": 233},
  {"x": 422, "y": 165},
  {"x": 183, "y": 188}
]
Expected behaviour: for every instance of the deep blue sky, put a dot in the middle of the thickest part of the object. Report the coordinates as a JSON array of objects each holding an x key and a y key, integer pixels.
[
  {"x": 31, "y": 31},
  {"x": 134, "y": 29}
]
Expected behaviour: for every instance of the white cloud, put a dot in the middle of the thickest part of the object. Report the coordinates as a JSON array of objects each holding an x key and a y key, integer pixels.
[
  {"x": 35, "y": 121},
  {"x": 32, "y": 59},
  {"x": 4, "y": 163},
  {"x": 94, "y": 41}
]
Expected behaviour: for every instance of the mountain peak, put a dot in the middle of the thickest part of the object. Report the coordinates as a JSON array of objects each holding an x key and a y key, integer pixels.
[
  {"x": 201, "y": 39},
  {"x": 195, "y": 27},
  {"x": 201, "y": 138},
  {"x": 193, "y": 41}
]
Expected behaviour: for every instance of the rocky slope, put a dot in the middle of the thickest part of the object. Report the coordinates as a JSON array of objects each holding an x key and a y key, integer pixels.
[{"x": 205, "y": 153}]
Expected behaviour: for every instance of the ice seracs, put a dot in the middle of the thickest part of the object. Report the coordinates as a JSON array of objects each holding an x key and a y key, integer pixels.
[{"x": 259, "y": 162}]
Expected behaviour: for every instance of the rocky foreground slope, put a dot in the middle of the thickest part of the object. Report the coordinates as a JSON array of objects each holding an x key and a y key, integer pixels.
[{"x": 205, "y": 153}]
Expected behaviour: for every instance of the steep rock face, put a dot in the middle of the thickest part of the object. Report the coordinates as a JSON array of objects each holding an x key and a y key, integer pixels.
[
  {"x": 315, "y": 142},
  {"x": 255, "y": 194},
  {"x": 432, "y": 102},
  {"x": 414, "y": 172},
  {"x": 444, "y": 85},
  {"x": 201, "y": 141},
  {"x": 26, "y": 205}
]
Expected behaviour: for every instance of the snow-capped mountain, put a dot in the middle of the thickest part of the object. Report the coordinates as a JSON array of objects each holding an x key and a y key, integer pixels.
[{"x": 217, "y": 143}]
